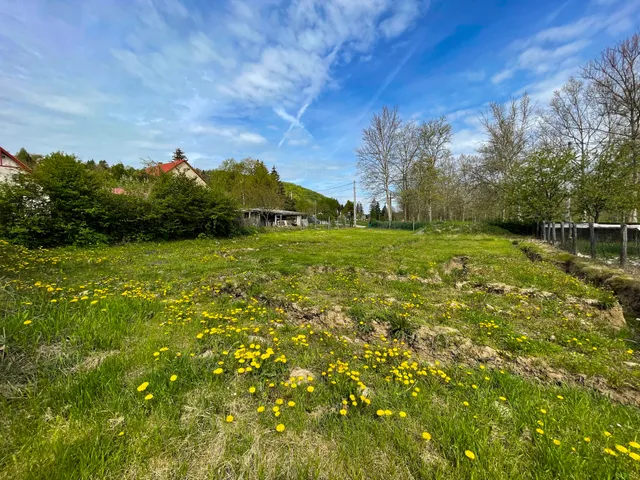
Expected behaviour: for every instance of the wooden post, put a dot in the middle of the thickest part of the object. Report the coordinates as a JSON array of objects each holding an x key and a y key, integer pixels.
[
  {"x": 592, "y": 240},
  {"x": 562, "y": 233},
  {"x": 553, "y": 233},
  {"x": 623, "y": 248},
  {"x": 574, "y": 250}
]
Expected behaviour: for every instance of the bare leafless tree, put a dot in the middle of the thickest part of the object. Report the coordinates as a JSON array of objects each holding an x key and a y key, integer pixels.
[
  {"x": 510, "y": 134},
  {"x": 615, "y": 76},
  {"x": 378, "y": 154},
  {"x": 574, "y": 119},
  {"x": 435, "y": 138},
  {"x": 408, "y": 150}
]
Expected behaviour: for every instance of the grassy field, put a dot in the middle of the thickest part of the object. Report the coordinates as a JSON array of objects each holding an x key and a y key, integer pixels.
[{"x": 312, "y": 354}]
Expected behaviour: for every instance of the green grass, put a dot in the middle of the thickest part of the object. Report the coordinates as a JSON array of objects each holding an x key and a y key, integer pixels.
[{"x": 357, "y": 308}]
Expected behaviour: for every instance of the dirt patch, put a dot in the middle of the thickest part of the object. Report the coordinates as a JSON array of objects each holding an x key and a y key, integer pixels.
[
  {"x": 446, "y": 345},
  {"x": 334, "y": 317},
  {"x": 93, "y": 361},
  {"x": 457, "y": 265},
  {"x": 301, "y": 375},
  {"x": 612, "y": 315}
]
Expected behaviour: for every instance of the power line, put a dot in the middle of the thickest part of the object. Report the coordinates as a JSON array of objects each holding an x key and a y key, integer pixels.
[{"x": 337, "y": 187}]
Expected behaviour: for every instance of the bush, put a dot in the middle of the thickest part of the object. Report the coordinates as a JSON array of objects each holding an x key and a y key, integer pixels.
[{"x": 64, "y": 202}]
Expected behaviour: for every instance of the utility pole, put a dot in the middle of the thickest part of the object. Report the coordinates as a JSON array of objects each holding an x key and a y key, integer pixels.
[{"x": 354, "y": 204}]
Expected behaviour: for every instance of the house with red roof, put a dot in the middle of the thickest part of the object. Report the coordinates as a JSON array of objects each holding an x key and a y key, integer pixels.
[
  {"x": 177, "y": 167},
  {"x": 10, "y": 166}
]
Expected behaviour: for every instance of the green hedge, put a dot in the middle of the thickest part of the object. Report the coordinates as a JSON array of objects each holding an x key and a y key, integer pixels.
[{"x": 64, "y": 203}]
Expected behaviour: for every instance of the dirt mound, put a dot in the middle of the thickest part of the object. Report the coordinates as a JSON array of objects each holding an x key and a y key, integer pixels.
[{"x": 457, "y": 264}]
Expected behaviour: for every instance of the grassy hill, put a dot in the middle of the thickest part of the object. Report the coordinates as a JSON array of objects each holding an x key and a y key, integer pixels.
[{"x": 306, "y": 200}]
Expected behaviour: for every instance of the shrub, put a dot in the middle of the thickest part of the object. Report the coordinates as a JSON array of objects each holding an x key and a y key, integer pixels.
[{"x": 65, "y": 202}]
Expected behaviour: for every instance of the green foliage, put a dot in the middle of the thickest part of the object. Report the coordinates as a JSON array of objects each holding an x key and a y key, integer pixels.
[
  {"x": 67, "y": 202},
  {"x": 25, "y": 158},
  {"x": 608, "y": 186},
  {"x": 541, "y": 185},
  {"x": 308, "y": 201},
  {"x": 179, "y": 155}
]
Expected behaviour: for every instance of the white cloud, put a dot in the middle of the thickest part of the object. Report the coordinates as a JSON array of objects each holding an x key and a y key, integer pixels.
[
  {"x": 503, "y": 75},
  {"x": 168, "y": 75},
  {"x": 406, "y": 13},
  {"x": 232, "y": 133},
  {"x": 568, "y": 31}
]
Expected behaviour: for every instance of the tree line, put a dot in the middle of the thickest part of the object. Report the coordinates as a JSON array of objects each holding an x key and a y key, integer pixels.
[{"x": 576, "y": 158}]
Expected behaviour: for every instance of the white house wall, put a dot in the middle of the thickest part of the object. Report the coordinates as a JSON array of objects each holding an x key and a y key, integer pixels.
[{"x": 188, "y": 171}]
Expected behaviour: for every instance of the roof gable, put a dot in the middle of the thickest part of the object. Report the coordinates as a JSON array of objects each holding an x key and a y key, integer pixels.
[
  {"x": 5, "y": 153},
  {"x": 167, "y": 167}
]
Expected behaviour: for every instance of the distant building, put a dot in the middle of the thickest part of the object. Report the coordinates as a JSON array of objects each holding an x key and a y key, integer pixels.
[
  {"x": 177, "y": 166},
  {"x": 263, "y": 217},
  {"x": 10, "y": 166}
]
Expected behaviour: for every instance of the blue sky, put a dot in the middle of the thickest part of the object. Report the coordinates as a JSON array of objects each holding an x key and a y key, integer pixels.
[{"x": 291, "y": 82}]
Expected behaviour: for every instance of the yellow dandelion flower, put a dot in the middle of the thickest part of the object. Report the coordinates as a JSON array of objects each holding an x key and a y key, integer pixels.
[
  {"x": 27, "y": 322},
  {"x": 470, "y": 454},
  {"x": 149, "y": 396},
  {"x": 143, "y": 386},
  {"x": 622, "y": 449},
  {"x": 218, "y": 371},
  {"x": 229, "y": 418},
  {"x": 587, "y": 439},
  {"x": 540, "y": 431},
  {"x": 173, "y": 378},
  {"x": 388, "y": 413},
  {"x": 556, "y": 441},
  {"x": 291, "y": 403},
  {"x": 402, "y": 414},
  {"x": 466, "y": 404},
  {"x": 252, "y": 389},
  {"x": 380, "y": 413},
  {"x": 504, "y": 399},
  {"x": 280, "y": 428},
  {"x": 634, "y": 444},
  {"x": 343, "y": 412},
  {"x": 155, "y": 354},
  {"x": 560, "y": 397},
  {"x": 607, "y": 434},
  {"x": 279, "y": 401},
  {"x": 635, "y": 456},
  {"x": 610, "y": 452},
  {"x": 121, "y": 434},
  {"x": 260, "y": 409},
  {"x": 543, "y": 411},
  {"x": 426, "y": 436},
  {"x": 310, "y": 389}
]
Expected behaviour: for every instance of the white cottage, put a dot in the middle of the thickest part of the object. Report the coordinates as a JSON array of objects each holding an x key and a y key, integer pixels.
[
  {"x": 177, "y": 166},
  {"x": 10, "y": 166}
]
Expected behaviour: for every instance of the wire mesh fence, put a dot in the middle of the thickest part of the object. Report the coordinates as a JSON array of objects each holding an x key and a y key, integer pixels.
[{"x": 596, "y": 240}]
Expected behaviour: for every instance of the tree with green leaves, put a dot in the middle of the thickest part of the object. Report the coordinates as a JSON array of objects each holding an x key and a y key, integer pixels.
[
  {"x": 542, "y": 184},
  {"x": 25, "y": 158},
  {"x": 179, "y": 155}
]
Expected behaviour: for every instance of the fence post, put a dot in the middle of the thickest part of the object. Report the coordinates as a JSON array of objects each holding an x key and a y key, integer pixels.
[
  {"x": 623, "y": 249},
  {"x": 562, "y": 233},
  {"x": 574, "y": 250},
  {"x": 592, "y": 240},
  {"x": 553, "y": 233}
]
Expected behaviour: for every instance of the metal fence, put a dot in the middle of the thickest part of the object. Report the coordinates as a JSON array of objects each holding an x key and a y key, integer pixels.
[{"x": 597, "y": 240}]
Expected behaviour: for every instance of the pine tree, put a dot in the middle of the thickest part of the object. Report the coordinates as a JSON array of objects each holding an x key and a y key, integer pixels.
[
  {"x": 25, "y": 158},
  {"x": 179, "y": 155},
  {"x": 374, "y": 212}
]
